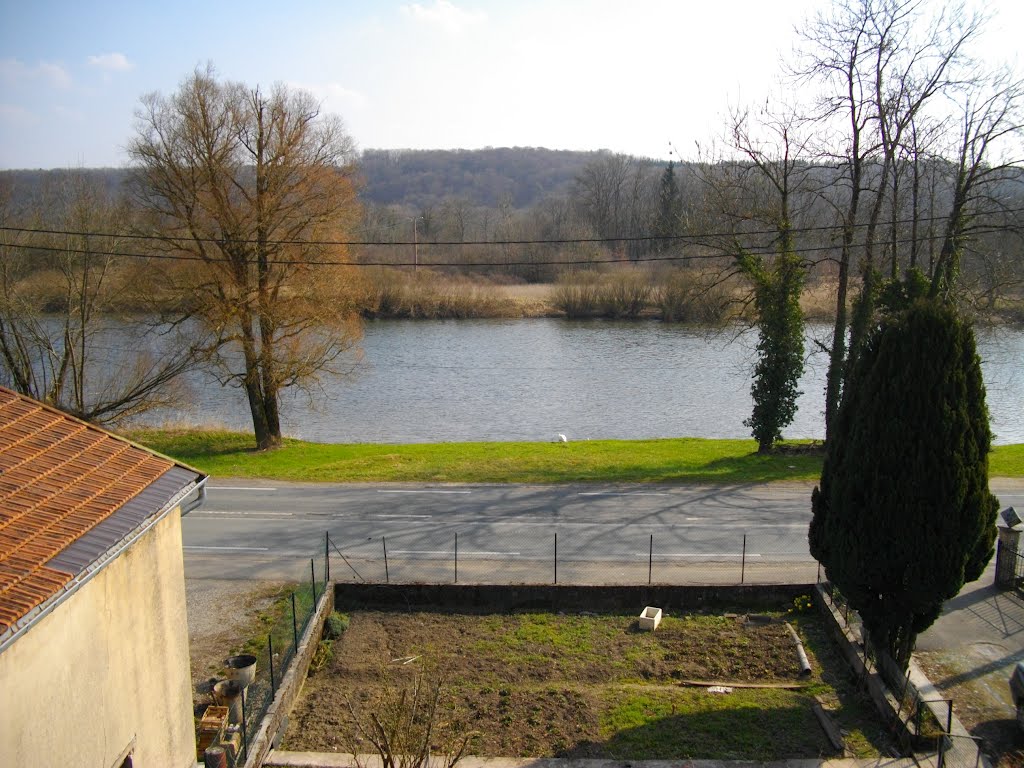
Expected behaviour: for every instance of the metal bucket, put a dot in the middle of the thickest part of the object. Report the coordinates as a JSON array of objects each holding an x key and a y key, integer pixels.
[{"x": 241, "y": 669}]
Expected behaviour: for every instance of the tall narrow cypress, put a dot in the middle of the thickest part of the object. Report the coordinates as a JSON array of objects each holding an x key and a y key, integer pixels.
[{"x": 903, "y": 516}]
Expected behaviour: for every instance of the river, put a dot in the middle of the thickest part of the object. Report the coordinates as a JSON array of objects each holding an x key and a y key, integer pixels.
[{"x": 502, "y": 380}]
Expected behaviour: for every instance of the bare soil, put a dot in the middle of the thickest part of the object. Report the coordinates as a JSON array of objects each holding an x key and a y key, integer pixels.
[
  {"x": 222, "y": 615},
  {"x": 586, "y": 686}
]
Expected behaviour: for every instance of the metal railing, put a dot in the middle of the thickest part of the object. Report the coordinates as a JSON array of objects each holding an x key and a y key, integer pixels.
[{"x": 539, "y": 555}]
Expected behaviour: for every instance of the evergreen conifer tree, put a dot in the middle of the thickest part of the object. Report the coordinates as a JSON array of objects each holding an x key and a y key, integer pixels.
[
  {"x": 903, "y": 516},
  {"x": 668, "y": 220}
]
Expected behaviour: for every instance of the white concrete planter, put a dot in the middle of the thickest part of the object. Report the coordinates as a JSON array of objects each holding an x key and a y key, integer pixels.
[{"x": 650, "y": 618}]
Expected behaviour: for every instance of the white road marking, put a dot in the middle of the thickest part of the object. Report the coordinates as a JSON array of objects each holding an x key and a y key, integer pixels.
[
  {"x": 621, "y": 493},
  {"x": 237, "y": 488},
  {"x": 228, "y": 549},
  {"x": 439, "y": 552},
  {"x": 426, "y": 490},
  {"x": 695, "y": 554},
  {"x": 241, "y": 514},
  {"x": 403, "y": 517}
]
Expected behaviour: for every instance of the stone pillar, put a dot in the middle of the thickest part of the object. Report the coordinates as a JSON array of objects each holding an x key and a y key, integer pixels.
[{"x": 1007, "y": 550}]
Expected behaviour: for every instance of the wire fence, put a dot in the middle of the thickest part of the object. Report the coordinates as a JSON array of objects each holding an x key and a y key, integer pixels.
[
  {"x": 289, "y": 617},
  {"x": 926, "y": 720},
  {"x": 538, "y": 555}
]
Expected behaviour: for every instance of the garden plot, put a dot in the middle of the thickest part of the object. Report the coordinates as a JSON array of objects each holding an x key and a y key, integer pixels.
[{"x": 593, "y": 686}]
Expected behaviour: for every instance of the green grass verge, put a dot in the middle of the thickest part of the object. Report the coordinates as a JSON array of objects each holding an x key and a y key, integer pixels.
[
  {"x": 1007, "y": 461},
  {"x": 230, "y": 454}
]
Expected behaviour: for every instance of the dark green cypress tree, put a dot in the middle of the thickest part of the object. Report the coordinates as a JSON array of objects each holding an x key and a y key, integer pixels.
[
  {"x": 903, "y": 516},
  {"x": 668, "y": 220}
]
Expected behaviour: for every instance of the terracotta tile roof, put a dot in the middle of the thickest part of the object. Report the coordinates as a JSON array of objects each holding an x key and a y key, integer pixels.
[{"x": 59, "y": 477}]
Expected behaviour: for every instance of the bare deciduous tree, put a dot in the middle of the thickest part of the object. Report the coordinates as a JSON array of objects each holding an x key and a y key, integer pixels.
[
  {"x": 251, "y": 185},
  {"x": 60, "y": 339},
  {"x": 886, "y": 70}
]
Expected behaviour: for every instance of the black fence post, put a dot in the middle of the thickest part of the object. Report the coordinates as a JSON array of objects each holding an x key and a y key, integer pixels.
[
  {"x": 743, "y": 565},
  {"x": 295, "y": 625},
  {"x": 650, "y": 561},
  {"x": 327, "y": 557},
  {"x": 556, "y": 558},
  {"x": 456, "y": 557},
  {"x": 387, "y": 577},
  {"x": 270, "y": 656},
  {"x": 312, "y": 574}
]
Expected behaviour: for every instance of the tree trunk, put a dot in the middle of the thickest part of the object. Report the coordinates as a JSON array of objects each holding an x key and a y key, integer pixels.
[{"x": 837, "y": 355}]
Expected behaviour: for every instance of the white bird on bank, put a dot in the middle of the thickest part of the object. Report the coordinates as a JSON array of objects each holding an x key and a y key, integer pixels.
[{"x": 562, "y": 438}]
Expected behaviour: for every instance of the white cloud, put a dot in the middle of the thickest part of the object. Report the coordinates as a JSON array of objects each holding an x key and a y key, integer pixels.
[
  {"x": 111, "y": 62},
  {"x": 444, "y": 15},
  {"x": 16, "y": 73}
]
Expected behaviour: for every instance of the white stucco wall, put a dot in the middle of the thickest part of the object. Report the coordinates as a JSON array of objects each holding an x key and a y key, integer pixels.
[{"x": 106, "y": 668}]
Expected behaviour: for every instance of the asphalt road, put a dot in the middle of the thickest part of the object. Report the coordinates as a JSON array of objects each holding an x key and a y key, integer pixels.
[{"x": 511, "y": 533}]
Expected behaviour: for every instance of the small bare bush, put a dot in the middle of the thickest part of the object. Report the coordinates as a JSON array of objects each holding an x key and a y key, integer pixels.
[
  {"x": 690, "y": 296},
  {"x": 576, "y": 294},
  {"x": 392, "y": 293},
  {"x": 624, "y": 294},
  {"x": 404, "y": 724}
]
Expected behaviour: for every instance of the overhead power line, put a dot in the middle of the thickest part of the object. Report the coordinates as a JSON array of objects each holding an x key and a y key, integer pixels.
[
  {"x": 426, "y": 264},
  {"x": 697, "y": 238},
  {"x": 703, "y": 239}
]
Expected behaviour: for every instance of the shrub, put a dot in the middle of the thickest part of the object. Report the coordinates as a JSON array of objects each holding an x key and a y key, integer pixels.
[
  {"x": 576, "y": 295},
  {"x": 335, "y": 625},
  {"x": 404, "y": 726}
]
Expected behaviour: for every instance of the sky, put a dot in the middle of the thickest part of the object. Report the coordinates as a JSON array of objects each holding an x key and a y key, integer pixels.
[{"x": 631, "y": 76}]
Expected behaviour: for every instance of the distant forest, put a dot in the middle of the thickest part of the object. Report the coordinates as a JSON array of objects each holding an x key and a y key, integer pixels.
[
  {"x": 507, "y": 204},
  {"x": 520, "y": 177},
  {"x": 419, "y": 178}
]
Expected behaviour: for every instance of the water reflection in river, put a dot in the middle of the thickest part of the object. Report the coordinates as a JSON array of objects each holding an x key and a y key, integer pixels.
[{"x": 439, "y": 381}]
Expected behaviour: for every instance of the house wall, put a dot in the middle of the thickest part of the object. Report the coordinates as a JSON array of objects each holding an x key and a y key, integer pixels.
[{"x": 106, "y": 669}]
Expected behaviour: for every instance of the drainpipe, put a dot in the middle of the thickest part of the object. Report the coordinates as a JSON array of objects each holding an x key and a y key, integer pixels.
[{"x": 198, "y": 501}]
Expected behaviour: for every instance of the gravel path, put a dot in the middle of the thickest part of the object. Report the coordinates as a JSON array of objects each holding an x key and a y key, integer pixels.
[{"x": 222, "y": 615}]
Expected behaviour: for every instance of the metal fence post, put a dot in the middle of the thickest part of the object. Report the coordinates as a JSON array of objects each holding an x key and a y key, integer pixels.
[
  {"x": 743, "y": 562},
  {"x": 270, "y": 656},
  {"x": 456, "y": 557},
  {"x": 556, "y": 558},
  {"x": 312, "y": 574},
  {"x": 295, "y": 626},
  {"x": 387, "y": 577},
  {"x": 327, "y": 557},
  {"x": 650, "y": 560}
]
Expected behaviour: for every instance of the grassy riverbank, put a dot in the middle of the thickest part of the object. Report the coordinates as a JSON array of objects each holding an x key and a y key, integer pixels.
[{"x": 230, "y": 454}]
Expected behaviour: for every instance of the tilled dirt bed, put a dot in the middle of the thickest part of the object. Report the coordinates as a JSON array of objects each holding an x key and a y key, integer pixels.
[{"x": 589, "y": 686}]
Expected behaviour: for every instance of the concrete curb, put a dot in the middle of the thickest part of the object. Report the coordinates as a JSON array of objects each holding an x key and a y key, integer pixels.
[{"x": 278, "y": 759}]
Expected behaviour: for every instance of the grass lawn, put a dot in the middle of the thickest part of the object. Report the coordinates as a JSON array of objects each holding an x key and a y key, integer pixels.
[{"x": 231, "y": 454}]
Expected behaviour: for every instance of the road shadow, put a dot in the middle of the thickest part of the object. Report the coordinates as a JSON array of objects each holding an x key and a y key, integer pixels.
[{"x": 999, "y": 610}]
